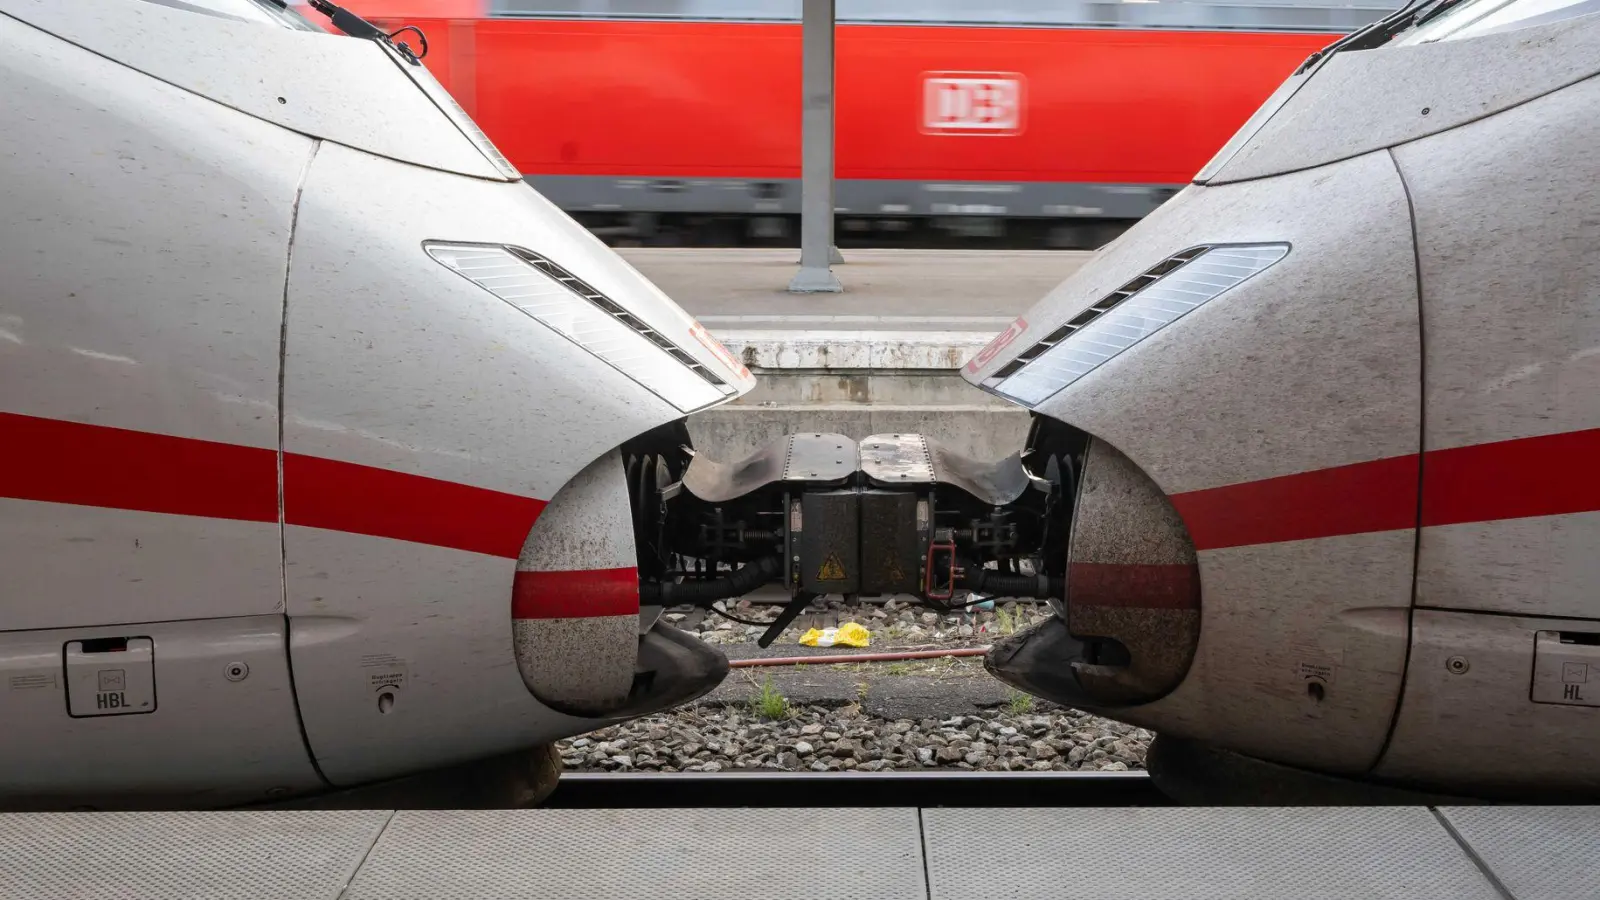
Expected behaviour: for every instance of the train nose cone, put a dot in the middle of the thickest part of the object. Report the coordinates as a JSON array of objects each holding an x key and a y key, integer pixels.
[
  {"x": 1130, "y": 620},
  {"x": 674, "y": 668},
  {"x": 1039, "y": 661}
]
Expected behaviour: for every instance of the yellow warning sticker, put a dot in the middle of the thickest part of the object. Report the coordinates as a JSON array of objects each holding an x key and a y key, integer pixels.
[{"x": 832, "y": 569}]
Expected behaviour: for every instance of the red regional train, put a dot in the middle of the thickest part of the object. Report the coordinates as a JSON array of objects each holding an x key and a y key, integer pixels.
[{"x": 1039, "y": 123}]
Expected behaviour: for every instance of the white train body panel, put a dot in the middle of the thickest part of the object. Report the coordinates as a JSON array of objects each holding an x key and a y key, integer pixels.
[
  {"x": 1193, "y": 407},
  {"x": 348, "y": 92},
  {"x": 249, "y": 418},
  {"x": 103, "y": 391},
  {"x": 1381, "y": 445},
  {"x": 1511, "y": 487}
]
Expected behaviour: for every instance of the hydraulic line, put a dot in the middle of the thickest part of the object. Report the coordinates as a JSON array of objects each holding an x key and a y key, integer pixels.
[
  {"x": 1005, "y": 584},
  {"x": 697, "y": 593}
]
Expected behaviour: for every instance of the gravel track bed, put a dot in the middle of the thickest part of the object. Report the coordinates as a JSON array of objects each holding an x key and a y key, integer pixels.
[
  {"x": 893, "y": 623},
  {"x": 827, "y": 728},
  {"x": 820, "y": 738}
]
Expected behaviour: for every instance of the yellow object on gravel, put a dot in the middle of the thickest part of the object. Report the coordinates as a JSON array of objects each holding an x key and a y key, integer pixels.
[{"x": 847, "y": 635}]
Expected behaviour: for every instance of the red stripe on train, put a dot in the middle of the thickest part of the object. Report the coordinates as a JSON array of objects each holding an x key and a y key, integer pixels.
[
  {"x": 1134, "y": 586},
  {"x": 53, "y": 461},
  {"x": 341, "y": 496},
  {"x": 96, "y": 465},
  {"x": 1549, "y": 475},
  {"x": 1372, "y": 496},
  {"x": 575, "y": 594}
]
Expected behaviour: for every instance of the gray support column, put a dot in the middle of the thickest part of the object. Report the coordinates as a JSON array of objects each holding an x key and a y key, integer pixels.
[{"x": 816, "y": 153}]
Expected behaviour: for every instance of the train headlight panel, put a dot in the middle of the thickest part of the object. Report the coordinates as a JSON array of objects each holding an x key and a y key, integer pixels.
[
  {"x": 1128, "y": 315},
  {"x": 578, "y": 312}
]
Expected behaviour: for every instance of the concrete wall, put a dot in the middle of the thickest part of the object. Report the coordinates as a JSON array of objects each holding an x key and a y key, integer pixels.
[{"x": 858, "y": 384}]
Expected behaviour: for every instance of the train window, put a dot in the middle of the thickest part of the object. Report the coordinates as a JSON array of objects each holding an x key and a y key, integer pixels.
[
  {"x": 1477, "y": 17},
  {"x": 1283, "y": 15}
]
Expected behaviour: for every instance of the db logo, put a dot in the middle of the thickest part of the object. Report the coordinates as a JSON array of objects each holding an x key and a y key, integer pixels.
[
  {"x": 972, "y": 102},
  {"x": 999, "y": 343}
]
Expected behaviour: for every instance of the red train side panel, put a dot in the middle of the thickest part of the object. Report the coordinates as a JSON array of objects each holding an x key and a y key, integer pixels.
[
  {"x": 696, "y": 100},
  {"x": 704, "y": 117}
]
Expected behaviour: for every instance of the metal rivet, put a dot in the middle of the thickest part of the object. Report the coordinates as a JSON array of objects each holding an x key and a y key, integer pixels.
[
  {"x": 281, "y": 100},
  {"x": 236, "y": 671},
  {"x": 1457, "y": 665},
  {"x": 1426, "y": 110}
]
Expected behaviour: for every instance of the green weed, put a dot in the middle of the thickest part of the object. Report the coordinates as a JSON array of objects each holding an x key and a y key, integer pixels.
[
  {"x": 1005, "y": 622},
  {"x": 770, "y": 703},
  {"x": 1019, "y": 703}
]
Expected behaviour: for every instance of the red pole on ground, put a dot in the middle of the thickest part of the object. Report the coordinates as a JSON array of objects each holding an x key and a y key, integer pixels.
[{"x": 857, "y": 657}]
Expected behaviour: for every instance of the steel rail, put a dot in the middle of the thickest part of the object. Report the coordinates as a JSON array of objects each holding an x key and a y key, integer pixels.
[{"x": 915, "y": 788}]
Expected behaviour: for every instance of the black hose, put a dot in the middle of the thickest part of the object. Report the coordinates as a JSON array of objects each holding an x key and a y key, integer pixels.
[
  {"x": 1004, "y": 584},
  {"x": 697, "y": 593}
]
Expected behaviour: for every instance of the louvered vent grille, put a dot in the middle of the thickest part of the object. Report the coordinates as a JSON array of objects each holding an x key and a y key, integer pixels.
[
  {"x": 1099, "y": 309},
  {"x": 583, "y": 289},
  {"x": 1148, "y": 303}
]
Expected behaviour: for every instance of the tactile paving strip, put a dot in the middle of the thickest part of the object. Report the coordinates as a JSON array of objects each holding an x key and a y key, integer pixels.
[
  {"x": 1197, "y": 854},
  {"x": 1538, "y": 853},
  {"x": 633, "y": 854},
  {"x": 183, "y": 855}
]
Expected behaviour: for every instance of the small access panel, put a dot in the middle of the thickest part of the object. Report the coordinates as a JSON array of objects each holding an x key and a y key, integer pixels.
[
  {"x": 110, "y": 677},
  {"x": 1566, "y": 668}
]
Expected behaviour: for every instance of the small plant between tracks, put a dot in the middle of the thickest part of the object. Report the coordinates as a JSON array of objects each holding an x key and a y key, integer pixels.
[
  {"x": 770, "y": 703},
  {"x": 1019, "y": 703}
]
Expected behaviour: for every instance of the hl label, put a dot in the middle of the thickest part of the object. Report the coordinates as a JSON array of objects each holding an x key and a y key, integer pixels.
[
  {"x": 973, "y": 103},
  {"x": 1564, "y": 666}
]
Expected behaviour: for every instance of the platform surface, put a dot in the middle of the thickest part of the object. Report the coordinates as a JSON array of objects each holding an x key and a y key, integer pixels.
[
  {"x": 1522, "y": 853},
  {"x": 936, "y": 290},
  {"x": 900, "y": 309}
]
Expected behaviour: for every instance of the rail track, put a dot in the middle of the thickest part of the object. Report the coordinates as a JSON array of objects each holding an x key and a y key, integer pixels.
[{"x": 795, "y": 790}]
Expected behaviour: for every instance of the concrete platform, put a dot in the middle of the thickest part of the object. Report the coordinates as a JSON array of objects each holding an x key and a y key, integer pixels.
[
  {"x": 882, "y": 357},
  {"x": 1414, "y": 853},
  {"x": 905, "y": 285}
]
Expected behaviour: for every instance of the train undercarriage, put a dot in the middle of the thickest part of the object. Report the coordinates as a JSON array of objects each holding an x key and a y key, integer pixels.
[{"x": 821, "y": 514}]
